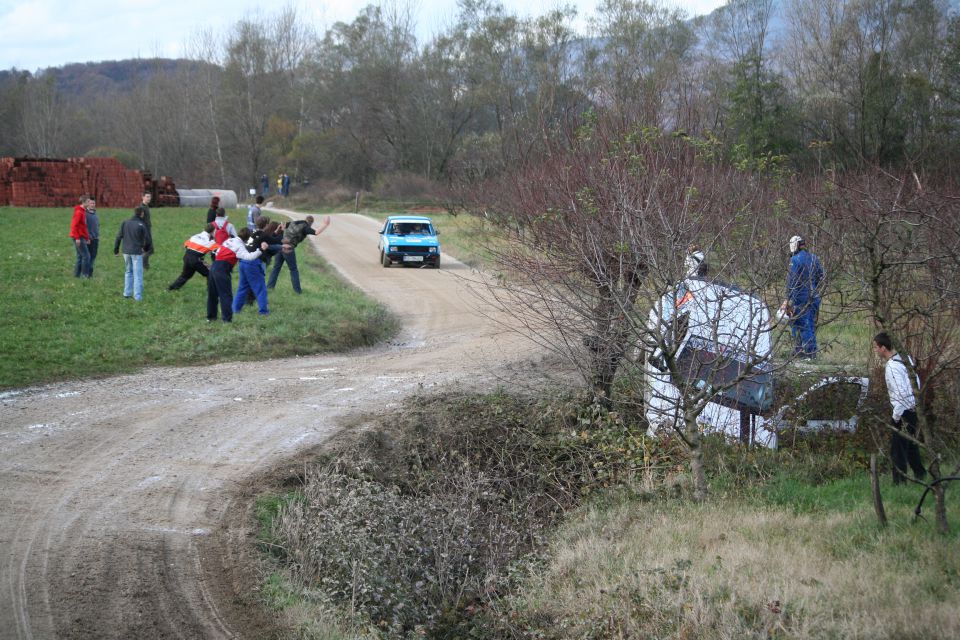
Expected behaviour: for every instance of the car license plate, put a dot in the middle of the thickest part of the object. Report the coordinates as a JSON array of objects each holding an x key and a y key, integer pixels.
[{"x": 413, "y": 258}]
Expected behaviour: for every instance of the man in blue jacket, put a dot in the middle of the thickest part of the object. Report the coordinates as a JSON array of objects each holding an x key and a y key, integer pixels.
[{"x": 803, "y": 298}]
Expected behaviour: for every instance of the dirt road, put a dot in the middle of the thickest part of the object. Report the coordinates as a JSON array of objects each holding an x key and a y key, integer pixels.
[{"x": 122, "y": 500}]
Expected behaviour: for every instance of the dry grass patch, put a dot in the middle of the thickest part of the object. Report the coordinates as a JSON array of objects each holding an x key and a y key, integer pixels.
[{"x": 727, "y": 570}]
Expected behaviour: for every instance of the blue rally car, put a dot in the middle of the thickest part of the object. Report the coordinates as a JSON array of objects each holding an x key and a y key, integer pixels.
[{"x": 409, "y": 240}]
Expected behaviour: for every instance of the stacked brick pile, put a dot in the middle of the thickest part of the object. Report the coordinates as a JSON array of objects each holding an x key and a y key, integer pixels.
[
  {"x": 45, "y": 182},
  {"x": 112, "y": 184}
]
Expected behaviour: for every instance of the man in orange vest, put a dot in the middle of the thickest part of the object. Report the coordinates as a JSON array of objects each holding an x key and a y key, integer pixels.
[{"x": 197, "y": 247}]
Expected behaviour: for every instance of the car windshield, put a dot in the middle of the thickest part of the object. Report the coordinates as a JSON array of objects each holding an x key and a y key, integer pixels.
[{"x": 410, "y": 228}]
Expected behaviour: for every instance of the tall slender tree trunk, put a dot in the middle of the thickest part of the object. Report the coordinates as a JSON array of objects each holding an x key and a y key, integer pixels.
[{"x": 697, "y": 470}]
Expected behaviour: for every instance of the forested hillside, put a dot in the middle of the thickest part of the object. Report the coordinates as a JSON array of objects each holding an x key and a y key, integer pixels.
[{"x": 810, "y": 83}]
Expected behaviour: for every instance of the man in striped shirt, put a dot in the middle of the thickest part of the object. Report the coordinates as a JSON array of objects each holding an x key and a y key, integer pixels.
[{"x": 899, "y": 388}]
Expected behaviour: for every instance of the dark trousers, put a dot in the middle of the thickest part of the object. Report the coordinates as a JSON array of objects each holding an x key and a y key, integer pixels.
[
  {"x": 93, "y": 247},
  {"x": 192, "y": 263},
  {"x": 291, "y": 260},
  {"x": 220, "y": 291},
  {"x": 904, "y": 451},
  {"x": 146, "y": 258}
]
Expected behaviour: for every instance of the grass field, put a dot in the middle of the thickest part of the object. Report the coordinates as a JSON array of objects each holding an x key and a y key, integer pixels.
[{"x": 59, "y": 327}]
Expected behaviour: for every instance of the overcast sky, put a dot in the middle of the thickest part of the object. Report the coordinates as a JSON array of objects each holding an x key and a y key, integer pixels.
[{"x": 52, "y": 33}]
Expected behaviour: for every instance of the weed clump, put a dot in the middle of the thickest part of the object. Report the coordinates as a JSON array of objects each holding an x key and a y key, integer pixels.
[{"x": 417, "y": 523}]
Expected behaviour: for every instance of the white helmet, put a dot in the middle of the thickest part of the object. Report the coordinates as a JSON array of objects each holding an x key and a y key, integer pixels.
[
  {"x": 692, "y": 262},
  {"x": 795, "y": 243}
]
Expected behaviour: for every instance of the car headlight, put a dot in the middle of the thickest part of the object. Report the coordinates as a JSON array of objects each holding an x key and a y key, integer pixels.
[
  {"x": 391, "y": 248},
  {"x": 434, "y": 249}
]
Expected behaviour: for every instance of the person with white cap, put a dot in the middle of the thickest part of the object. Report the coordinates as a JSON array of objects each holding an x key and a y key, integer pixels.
[{"x": 804, "y": 280}]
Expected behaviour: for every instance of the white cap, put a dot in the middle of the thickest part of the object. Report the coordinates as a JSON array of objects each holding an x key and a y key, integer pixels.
[{"x": 795, "y": 243}]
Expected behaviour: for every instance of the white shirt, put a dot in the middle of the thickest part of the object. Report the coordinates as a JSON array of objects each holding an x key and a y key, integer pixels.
[{"x": 898, "y": 386}]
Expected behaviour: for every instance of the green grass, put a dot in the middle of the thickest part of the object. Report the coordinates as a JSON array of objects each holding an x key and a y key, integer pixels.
[{"x": 59, "y": 327}]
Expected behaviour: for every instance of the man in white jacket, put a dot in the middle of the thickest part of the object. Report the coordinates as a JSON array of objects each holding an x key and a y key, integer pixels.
[
  {"x": 900, "y": 389},
  {"x": 219, "y": 283}
]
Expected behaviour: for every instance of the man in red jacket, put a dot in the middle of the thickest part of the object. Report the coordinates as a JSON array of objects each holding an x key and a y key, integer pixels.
[{"x": 81, "y": 239}]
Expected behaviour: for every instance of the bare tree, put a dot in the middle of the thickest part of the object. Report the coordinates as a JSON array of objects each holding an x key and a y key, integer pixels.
[
  {"x": 43, "y": 117},
  {"x": 594, "y": 266},
  {"x": 902, "y": 242}
]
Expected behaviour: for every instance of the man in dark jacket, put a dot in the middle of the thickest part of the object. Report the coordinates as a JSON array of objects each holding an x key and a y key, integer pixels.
[
  {"x": 294, "y": 233},
  {"x": 135, "y": 238}
]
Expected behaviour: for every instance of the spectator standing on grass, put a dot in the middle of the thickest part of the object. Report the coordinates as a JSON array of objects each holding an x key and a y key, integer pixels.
[
  {"x": 219, "y": 283},
  {"x": 254, "y": 212},
  {"x": 293, "y": 234},
  {"x": 93, "y": 228},
  {"x": 135, "y": 238},
  {"x": 264, "y": 185},
  {"x": 286, "y": 185},
  {"x": 904, "y": 403},
  {"x": 280, "y": 185},
  {"x": 804, "y": 280},
  {"x": 212, "y": 211},
  {"x": 145, "y": 209},
  {"x": 81, "y": 239},
  {"x": 198, "y": 246}
]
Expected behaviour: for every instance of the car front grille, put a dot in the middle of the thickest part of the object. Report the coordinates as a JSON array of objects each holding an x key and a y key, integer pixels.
[{"x": 416, "y": 248}]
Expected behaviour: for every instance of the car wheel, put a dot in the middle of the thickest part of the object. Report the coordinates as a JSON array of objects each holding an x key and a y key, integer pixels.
[
  {"x": 437, "y": 264},
  {"x": 384, "y": 259}
]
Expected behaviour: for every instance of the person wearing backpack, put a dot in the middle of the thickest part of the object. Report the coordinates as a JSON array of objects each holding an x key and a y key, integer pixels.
[
  {"x": 223, "y": 229},
  {"x": 293, "y": 234}
]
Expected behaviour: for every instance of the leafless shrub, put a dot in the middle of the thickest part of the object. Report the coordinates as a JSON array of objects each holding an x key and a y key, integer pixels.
[{"x": 413, "y": 523}]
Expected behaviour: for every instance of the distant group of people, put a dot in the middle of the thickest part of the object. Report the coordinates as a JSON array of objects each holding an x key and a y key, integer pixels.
[
  {"x": 283, "y": 185},
  {"x": 252, "y": 248}
]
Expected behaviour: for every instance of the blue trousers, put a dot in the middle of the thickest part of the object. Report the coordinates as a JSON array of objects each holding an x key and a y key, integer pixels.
[
  {"x": 220, "y": 291},
  {"x": 803, "y": 328},
  {"x": 251, "y": 279},
  {"x": 82, "y": 266},
  {"x": 291, "y": 260},
  {"x": 133, "y": 276}
]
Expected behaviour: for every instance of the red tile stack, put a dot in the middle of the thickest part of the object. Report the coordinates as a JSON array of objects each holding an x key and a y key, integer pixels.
[{"x": 47, "y": 182}]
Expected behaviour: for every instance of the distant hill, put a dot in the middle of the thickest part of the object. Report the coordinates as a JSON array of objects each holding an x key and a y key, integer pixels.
[{"x": 107, "y": 77}]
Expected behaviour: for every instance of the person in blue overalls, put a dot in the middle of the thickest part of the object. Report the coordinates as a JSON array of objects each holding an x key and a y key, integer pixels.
[{"x": 803, "y": 298}]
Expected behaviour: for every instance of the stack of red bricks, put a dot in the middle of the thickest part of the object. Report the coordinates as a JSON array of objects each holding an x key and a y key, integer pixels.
[
  {"x": 46, "y": 182},
  {"x": 112, "y": 184}
]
